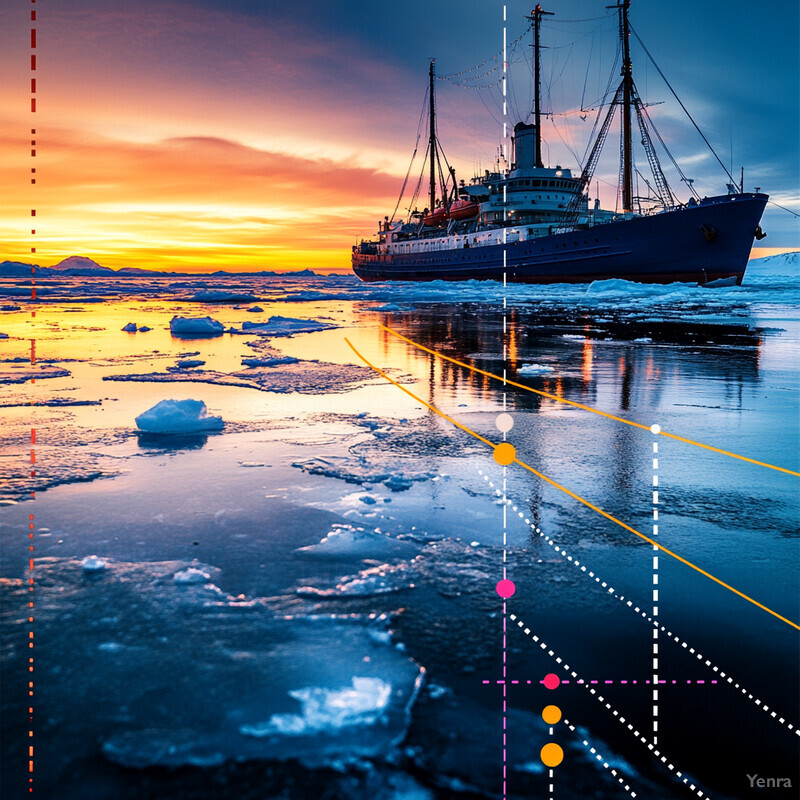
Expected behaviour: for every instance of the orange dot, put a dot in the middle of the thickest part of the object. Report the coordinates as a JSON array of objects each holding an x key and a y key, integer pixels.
[
  {"x": 504, "y": 453},
  {"x": 552, "y": 754},
  {"x": 551, "y": 715}
]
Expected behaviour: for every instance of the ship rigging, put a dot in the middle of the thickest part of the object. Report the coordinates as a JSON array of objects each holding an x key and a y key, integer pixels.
[{"x": 526, "y": 222}]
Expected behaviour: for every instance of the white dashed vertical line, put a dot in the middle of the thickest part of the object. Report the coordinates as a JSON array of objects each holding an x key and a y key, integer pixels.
[{"x": 655, "y": 429}]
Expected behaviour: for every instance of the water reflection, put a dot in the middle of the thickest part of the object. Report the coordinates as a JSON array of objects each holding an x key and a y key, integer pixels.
[
  {"x": 581, "y": 357},
  {"x": 172, "y": 441}
]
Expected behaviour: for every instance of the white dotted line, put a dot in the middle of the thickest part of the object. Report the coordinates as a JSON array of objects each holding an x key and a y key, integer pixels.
[
  {"x": 601, "y": 699},
  {"x": 602, "y": 761},
  {"x": 656, "y": 430},
  {"x": 696, "y": 653}
]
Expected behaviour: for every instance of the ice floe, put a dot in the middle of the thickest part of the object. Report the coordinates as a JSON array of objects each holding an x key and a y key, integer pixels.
[
  {"x": 19, "y": 373},
  {"x": 363, "y": 703},
  {"x": 253, "y": 685},
  {"x": 373, "y": 581},
  {"x": 304, "y": 377},
  {"x": 189, "y": 363},
  {"x": 534, "y": 369},
  {"x": 285, "y": 326},
  {"x": 178, "y": 416},
  {"x": 93, "y": 564},
  {"x": 195, "y": 327},
  {"x": 360, "y": 470},
  {"x": 349, "y": 542},
  {"x": 221, "y": 296},
  {"x": 191, "y": 575},
  {"x": 274, "y": 361},
  {"x": 131, "y": 327}
]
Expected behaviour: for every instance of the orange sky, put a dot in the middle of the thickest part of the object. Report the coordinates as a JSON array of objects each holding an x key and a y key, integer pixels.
[
  {"x": 209, "y": 144},
  {"x": 191, "y": 204}
]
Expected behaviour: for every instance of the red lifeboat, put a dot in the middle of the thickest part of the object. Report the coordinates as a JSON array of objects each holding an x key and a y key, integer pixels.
[
  {"x": 436, "y": 218},
  {"x": 463, "y": 209},
  {"x": 458, "y": 210}
]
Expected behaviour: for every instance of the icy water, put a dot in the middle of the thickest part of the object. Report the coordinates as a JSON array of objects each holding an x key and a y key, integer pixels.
[{"x": 303, "y": 605}]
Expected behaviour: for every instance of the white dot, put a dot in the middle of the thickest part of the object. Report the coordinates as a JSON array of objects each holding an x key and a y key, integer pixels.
[
  {"x": 655, "y": 429},
  {"x": 504, "y": 423}
]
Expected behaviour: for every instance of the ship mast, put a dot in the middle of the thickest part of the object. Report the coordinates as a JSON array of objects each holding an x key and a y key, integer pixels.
[
  {"x": 432, "y": 143},
  {"x": 627, "y": 93},
  {"x": 536, "y": 17}
]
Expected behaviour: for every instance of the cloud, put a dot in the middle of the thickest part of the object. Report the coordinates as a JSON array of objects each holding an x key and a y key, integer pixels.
[{"x": 195, "y": 197}]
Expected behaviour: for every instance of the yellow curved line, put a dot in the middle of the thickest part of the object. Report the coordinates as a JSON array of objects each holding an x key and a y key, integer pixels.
[
  {"x": 580, "y": 405},
  {"x": 572, "y": 494}
]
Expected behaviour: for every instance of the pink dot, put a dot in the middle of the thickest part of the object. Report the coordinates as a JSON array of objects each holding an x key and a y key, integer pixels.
[
  {"x": 505, "y": 588},
  {"x": 551, "y": 681}
]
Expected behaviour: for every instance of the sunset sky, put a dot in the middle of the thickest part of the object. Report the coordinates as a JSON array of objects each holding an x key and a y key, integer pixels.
[{"x": 248, "y": 135}]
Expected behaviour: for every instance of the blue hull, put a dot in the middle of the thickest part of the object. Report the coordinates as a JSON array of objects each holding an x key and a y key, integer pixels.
[{"x": 698, "y": 244}]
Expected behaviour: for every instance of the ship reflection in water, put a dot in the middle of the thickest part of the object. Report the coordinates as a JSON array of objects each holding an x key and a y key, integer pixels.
[
  {"x": 692, "y": 378},
  {"x": 574, "y": 357}
]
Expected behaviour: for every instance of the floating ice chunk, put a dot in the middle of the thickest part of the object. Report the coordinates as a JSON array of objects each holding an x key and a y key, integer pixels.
[
  {"x": 255, "y": 309},
  {"x": 534, "y": 369},
  {"x": 93, "y": 564},
  {"x": 178, "y": 416},
  {"x": 130, "y": 328},
  {"x": 533, "y": 767},
  {"x": 144, "y": 329},
  {"x": 221, "y": 296},
  {"x": 195, "y": 326},
  {"x": 3, "y": 336},
  {"x": 369, "y": 582},
  {"x": 643, "y": 340},
  {"x": 188, "y": 363},
  {"x": 368, "y": 499},
  {"x": 398, "y": 483},
  {"x": 285, "y": 326},
  {"x": 328, "y": 710},
  {"x": 720, "y": 283},
  {"x": 191, "y": 575},
  {"x": 348, "y": 542},
  {"x": 111, "y": 647},
  {"x": 361, "y": 471},
  {"x": 269, "y": 362}
]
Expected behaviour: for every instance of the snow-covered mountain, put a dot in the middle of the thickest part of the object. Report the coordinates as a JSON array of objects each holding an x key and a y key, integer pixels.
[{"x": 81, "y": 263}]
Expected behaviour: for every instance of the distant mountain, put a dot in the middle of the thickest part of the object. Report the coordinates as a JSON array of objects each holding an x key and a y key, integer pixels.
[
  {"x": 79, "y": 265},
  {"x": 82, "y": 266},
  {"x": 15, "y": 269}
]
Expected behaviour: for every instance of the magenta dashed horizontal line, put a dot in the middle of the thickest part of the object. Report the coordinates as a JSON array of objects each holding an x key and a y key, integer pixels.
[{"x": 631, "y": 682}]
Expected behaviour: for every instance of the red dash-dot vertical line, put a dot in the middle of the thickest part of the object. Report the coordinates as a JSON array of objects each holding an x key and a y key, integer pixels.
[{"x": 31, "y": 516}]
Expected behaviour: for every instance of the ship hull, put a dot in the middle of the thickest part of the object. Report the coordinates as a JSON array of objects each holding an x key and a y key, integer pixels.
[{"x": 707, "y": 242}]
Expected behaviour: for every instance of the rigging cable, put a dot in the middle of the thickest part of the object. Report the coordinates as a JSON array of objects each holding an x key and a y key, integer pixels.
[
  {"x": 483, "y": 63},
  {"x": 413, "y": 155},
  {"x": 669, "y": 86},
  {"x": 784, "y": 208},
  {"x": 667, "y": 151}
]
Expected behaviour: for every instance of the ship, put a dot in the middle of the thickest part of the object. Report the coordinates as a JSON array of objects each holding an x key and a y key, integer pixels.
[{"x": 523, "y": 222}]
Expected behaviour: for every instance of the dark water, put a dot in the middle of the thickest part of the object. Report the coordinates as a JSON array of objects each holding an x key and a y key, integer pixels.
[{"x": 147, "y": 686}]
